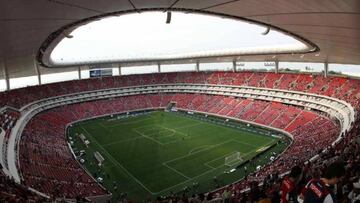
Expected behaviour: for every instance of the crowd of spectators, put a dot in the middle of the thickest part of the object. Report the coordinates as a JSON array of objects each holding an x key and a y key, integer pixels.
[
  {"x": 42, "y": 158},
  {"x": 8, "y": 119},
  {"x": 11, "y": 192},
  {"x": 44, "y": 150}
]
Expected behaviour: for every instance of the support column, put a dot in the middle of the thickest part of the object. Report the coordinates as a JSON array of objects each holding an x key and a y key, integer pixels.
[
  {"x": 276, "y": 66},
  {"x": 197, "y": 68},
  {"x": 326, "y": 69},
  {"x": 234, "y": 65},
  {"x": 119, "y": 67},
  {"x": 159, "y": 67},
  {"x": 37, "y": 71},
  {"x": 6, "y": 76},
  {"x": 79, "y": 72}
]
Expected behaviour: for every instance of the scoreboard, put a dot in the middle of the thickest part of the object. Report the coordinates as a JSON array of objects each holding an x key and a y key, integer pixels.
[{"x": 101, "y": 72}]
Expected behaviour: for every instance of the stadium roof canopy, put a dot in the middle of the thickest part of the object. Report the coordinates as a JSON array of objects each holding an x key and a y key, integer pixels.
[{"x": 29, "y": 29}]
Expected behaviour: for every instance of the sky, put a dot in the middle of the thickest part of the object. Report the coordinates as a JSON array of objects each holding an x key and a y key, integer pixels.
[{"x": 146, "y": 36}]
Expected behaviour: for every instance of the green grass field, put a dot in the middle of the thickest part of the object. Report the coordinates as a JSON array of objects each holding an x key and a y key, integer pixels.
[{"x": 161, "y": 152}]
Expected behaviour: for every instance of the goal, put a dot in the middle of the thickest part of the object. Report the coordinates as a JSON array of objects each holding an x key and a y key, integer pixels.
[{"x": 233, "y": 159}]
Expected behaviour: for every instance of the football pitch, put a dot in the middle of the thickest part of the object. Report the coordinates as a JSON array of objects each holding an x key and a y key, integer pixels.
[{"x": 155, "y": 153}]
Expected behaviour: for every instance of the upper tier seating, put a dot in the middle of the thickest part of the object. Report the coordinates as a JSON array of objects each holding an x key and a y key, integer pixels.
[{"x": 342, "y": 88}]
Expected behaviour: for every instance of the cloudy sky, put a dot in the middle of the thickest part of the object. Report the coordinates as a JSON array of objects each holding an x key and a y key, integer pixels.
[{"x": 146, "y": 35}]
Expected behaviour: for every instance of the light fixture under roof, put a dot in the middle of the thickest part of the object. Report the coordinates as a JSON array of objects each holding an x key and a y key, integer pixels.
[
  {"x": 168, "y": 17},
  {"x": 69, "y": 36},
  {"x": 266, "y": 31}
]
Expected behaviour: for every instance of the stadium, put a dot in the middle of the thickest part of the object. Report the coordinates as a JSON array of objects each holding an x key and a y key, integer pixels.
[{"x": 178, "y": 100}]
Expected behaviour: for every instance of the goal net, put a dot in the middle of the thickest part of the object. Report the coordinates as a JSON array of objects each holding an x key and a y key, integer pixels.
[{"x": 233, "y": 159}]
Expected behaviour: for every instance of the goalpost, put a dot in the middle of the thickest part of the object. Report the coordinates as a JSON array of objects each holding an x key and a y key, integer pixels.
[{"x": 233, "y": 159}]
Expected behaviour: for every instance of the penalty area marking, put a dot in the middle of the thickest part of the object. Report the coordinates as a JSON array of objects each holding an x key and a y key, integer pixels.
[
  {"x": 187, "y": 155},
  {"x": 222, "y": 157},
  {"x": 115, "y": 162},
  {"x": 206, "y": 172},
  {"x": 201, "y": 147}
]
